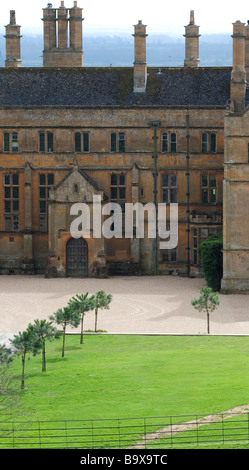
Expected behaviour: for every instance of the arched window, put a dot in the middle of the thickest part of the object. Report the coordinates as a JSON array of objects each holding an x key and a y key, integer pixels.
[
  {"x": 77, "y": 142},
  {"x": 204, "y": 142},
  {"x": 173, "y": 142}
]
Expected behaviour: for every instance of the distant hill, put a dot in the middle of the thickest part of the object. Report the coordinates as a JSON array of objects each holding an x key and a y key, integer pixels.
[{"x": 162, "y": 50}]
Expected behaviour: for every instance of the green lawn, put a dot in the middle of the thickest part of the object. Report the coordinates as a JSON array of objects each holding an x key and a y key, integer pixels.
[{"x": 135, "y": 376}]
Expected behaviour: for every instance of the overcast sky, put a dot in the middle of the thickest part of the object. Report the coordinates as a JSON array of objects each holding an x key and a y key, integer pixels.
[{"x": 212, "y": 16}]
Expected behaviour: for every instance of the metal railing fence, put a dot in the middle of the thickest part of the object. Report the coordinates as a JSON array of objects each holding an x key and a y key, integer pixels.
[{"x": 141, "y": 433}]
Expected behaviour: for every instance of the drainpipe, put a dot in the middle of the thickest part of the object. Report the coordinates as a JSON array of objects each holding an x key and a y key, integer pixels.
[
  {"x": 155, "y": 125},
  {"x": 188, "y": 197}
]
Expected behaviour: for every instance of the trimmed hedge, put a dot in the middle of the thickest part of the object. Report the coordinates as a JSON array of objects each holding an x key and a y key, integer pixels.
[{"x": 211, "y": 256}]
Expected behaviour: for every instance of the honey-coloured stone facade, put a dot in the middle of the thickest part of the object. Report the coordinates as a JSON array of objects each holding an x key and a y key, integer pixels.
[{"x": 130, "y": 135}]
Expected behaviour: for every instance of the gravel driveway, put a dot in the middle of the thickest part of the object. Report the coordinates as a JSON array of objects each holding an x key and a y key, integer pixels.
[{"x": 146, "y": 304}]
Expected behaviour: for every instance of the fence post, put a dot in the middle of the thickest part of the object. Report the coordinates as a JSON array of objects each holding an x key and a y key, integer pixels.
[
  {"x": 222, "y": 428},
  {"x": 118, "y": 434},
  {"x": 145, "y": 433},
  {"x": 66, "y": 434},
  {"x": 39, "y": 433},
  {"x": 197, "y": 436},
  {"x": 92, "y": 436},
  {"x": 171, "y": 433},
  {"x": 13, "y": 434}
]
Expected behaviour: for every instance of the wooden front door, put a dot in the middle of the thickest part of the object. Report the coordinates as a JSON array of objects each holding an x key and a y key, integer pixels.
[{"x": 77, "y": 257}]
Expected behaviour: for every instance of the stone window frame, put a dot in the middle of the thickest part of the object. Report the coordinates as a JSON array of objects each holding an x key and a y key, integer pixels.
[
  {"x": 198, "y": 235},
  {"x": 10, "y": 142},
  {"x": 46, "y": 141},
  {"x": 117, "y": 142},
  {"x": 118, "y": 183},
  {"x": 173, "y": 142},
  {"x": 11, "y": 184},
  {"x": 169, "y": 187},
  {"x": 168, "y": 142},
  {"x": 170, "y": 256},
  {"x": 209, "y": 189},
  {"x": 82, "y": 142},
  {"x": 164, "y": 142},
  {"x": 45, "y": 184},
  {"x": 209, "y": 142}
]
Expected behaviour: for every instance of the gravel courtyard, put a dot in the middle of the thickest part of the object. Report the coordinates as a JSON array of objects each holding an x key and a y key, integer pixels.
[{"x": 150, "y": 305}]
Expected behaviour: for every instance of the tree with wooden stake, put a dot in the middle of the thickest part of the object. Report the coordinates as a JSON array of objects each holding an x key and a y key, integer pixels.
[
  {"x": 24, "y": 343},
  {"x": 65, "y": 316},
  {"x": 102, "y": 301},
  {"x": 81, "y": 304},
  {"x": 42, "y": 330},
  {"x": 207, "y": 302}
]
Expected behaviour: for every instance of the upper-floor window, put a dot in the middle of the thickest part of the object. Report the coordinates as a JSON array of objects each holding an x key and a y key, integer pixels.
[
  {"x": 121, "y": 142},
  {"x": 208, "y": 142},
  {"x": 173, "y": 142},
  {"x": 118, "y": 142},
  {"x": 81, "y": 142},
  {"x": 168, "y": 142},
  {"x": 113, "y": 142},
  {"x": 10, "y": 142},
  {"x": 46, "y": 142},
  {"x": 169, "y": 188},
  {"x": 208, "y": 189},
  {"x": 164, "y": 142},
  {"x": 77, "y": 142}
]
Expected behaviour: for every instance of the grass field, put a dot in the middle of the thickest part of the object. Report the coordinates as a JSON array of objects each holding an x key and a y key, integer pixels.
[{"x": 116, "y": 376}]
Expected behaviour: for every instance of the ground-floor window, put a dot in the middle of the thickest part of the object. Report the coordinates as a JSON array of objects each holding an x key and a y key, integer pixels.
[
  {"x": 11, "y": 202},
  {"x": 169, "y": 256},
  {"x": 198, "y": 235},
  {"x": 46, "y": 181}
]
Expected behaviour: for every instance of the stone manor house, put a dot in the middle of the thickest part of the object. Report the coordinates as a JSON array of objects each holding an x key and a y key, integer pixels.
[{"x": 129, "y": 134}]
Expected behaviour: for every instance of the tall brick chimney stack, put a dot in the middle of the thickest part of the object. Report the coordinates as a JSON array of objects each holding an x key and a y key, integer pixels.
[
  {"x": 13, "y": 42},
  {"x": 140, "y": 65},
  {"x": 75, "y": 21},
  {"x": 238, "y": 75},
  {"x": 192, "y": 43},
  {"x": 65, "y": 48},
  {"x": 62, "y": 22}
]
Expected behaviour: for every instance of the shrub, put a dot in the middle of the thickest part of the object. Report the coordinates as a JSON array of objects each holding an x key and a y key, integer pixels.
[{"x": 211, "y": 256}]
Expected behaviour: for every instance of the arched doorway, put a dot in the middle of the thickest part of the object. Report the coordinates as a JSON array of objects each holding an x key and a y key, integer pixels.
[{"x": 77, "y": 257}]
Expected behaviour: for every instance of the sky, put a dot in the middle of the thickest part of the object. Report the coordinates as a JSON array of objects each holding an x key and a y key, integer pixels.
[{"x": 111, "y": 15}]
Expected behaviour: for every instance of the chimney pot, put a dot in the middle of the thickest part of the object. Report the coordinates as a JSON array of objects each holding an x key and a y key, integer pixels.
[{"x": 12, "y": 17}]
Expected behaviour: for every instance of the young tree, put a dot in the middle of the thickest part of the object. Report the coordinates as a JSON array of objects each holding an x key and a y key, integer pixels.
[
  {"x": 82, "y": 304},
  {"x": 65, "y": 316},
  {"x": 25, "y": 343},
  {"x": 208, "y": 302},
  {"x": 5, "y": 355},
  {"x": 102, "y": 301},
  {"x": 9, "y": 396},
  {"x": 42, "y": 329}
]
